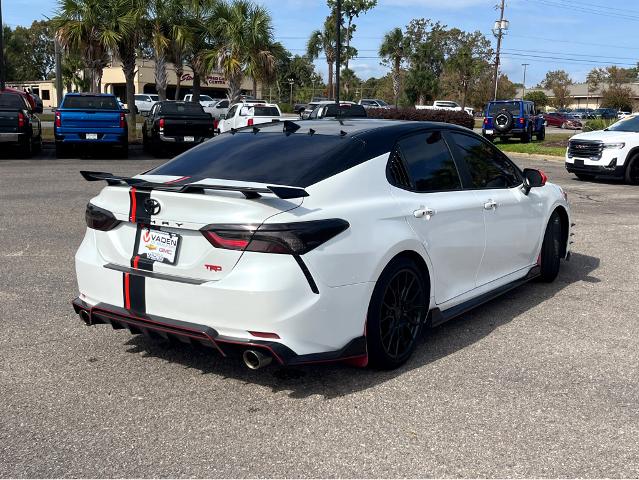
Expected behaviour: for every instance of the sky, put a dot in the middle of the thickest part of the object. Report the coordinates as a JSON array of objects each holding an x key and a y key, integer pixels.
[{"x": 573, "y": 35}]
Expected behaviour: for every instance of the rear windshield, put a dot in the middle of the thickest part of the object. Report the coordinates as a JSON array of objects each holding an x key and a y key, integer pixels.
[
  {"x": 268, "y": 157},
  {"x": 512, "y": 107},
  {"x": 347, "y": 110},
  {"x": 186, "y": 107},
  {"x": 11, "y": 100},
  {"x": 89, "y": 102},
  {"x": 264, "y": 112}
]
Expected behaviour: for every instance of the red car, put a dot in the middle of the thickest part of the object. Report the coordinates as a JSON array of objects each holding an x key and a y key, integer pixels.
[{"x": 562, "y": 120}]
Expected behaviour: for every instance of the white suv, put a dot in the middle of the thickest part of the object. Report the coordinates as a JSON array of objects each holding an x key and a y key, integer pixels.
[{"x": 613, "y": 152}]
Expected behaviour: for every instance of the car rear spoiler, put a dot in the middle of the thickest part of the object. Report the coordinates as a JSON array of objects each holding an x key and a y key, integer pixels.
[{"x": 283, "y": 192}]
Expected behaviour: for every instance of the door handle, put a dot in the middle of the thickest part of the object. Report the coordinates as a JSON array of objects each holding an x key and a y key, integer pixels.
[
  {"x": 423, "y": 212},
  {"x": 490, "y": 205}
]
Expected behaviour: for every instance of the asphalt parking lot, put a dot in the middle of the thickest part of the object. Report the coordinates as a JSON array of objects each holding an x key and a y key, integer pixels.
[{"x": 543, "y": 382}]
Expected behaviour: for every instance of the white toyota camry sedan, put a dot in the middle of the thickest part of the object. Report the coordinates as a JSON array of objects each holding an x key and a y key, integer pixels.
[{"x": 317, "y": 241}]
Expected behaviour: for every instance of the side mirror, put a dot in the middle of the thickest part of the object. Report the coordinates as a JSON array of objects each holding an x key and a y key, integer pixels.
[
  {"x": 223, "y": 116},
  {"x": 534, "y": 179}
]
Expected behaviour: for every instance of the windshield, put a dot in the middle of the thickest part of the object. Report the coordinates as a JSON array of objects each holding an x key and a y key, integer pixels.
[
  {"x": 155, "y": 98},
  {"x": 268, "y": 157},
  {"x": 512, "y": 107},
  {"x": 382, "y": 103},
  {"x": 90, "y": 102},
  {"x": 206, "y": 98},
  {"x": 629, "y": 124}
]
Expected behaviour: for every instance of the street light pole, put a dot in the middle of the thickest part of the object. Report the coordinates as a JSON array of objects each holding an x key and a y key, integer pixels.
[
  {"x": 291, "y": 82},
  {"x": 2, "y": 66},
  {"x": 525, "y": 65},
  {"x": 338, "y": 59},
  {"x": 500, "y": 26}
]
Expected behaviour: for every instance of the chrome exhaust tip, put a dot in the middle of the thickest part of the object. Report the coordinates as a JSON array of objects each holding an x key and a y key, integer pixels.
[
  {"x": 85, "y": 317},
  {"x": 256, "y": 360}
]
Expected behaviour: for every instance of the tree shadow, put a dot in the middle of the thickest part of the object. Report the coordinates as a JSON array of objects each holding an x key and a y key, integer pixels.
[{"x": 335, "y": 380}]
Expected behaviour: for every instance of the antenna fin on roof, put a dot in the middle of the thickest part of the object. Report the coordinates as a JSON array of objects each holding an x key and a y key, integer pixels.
[
  {"x": 256, "y": 130},
  {"x": 342, "y": 133},
  {"x": 290, "y": 127},
  {"x": 311, "y": 131}
]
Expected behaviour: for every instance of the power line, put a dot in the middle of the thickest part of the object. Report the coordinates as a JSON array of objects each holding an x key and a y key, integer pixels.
[
  {"x": 603, "y": 13},
  {"x": 587, "y": 55},
  {"x": 598, "y": 5}
]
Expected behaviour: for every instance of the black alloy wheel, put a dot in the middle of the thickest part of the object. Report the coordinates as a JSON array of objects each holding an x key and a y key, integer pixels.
[{"x": 396, "y": 313}]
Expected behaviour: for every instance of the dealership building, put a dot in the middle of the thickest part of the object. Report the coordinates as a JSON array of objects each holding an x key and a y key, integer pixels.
[{"x": 215, "y": 84}]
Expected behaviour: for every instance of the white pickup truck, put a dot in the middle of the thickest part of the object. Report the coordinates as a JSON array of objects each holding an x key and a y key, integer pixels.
[
  {"x": 445, "y": 105},
  {"x": 612, "y": 153},
  {"x": 247, "y": 114},
  {"x": 207, "y": 102}
]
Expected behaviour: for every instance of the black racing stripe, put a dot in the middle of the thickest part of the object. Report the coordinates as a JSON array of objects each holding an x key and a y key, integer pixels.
[
  {"x": 141, "y": 215},
  {"x": 137, "y": 294}
]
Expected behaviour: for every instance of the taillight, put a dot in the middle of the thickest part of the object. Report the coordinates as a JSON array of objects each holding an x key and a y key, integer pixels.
[
  {"x": 58, "y": 120},
  {"x": 250, "y": 122},
  {"x": 99, "y": 218},
  {"x": 122, "y": 120},
  {"x": 521, "y": 121},
  {"x": 161, "y": 123},
  {"x": 544, "y": 178},
  {"x": 20, "y": 120},
  {"x": 295, "y": 238},
  {"x": 485, "y": 121},
  {"x": 215, "y": 123}
]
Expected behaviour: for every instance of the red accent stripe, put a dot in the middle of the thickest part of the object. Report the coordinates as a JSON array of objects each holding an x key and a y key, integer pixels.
[
  {"x": 133, "y": 205},
  {"x": 127, "y": 292},
  {"x": 136, "y": 260},
  {"x": 177, "y": 180}
]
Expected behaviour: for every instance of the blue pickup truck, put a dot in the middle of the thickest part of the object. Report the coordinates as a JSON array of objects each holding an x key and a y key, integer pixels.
[{"x": 89, "y": 119}]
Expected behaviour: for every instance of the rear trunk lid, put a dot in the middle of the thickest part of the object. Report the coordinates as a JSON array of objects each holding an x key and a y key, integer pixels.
[
  {"x": 183, "y": 214},
  {"x": 90, "y": 119},
  {"x": 8, "y": 121},
  {"x": 195, "y": 125}
]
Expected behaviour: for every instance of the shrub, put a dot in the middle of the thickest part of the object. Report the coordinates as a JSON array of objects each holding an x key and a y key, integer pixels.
[
  {"x": 286, "y": 108},
  {"x": 597, "y": 124},
  {"x": 444, "y": 116}
]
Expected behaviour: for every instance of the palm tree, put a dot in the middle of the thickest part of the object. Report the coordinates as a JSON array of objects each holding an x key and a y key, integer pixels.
[
  {"x": 160, "y": 15},
  {"x": 247, "y": 47},
  {"x": 394, "y": 50},
  {"x": 324, "y": 41},
  {"x": 88, "y": 27}
]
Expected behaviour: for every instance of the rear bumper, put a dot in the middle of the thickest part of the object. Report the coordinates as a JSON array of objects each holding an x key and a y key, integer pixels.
[
  {"x": 596, "y": 170},
  {"x": 11, "y": 137},
  {"x": 116, "y": 137},
  {"x": 179, "y": 139},
  {"x": 191, "y": 333}
]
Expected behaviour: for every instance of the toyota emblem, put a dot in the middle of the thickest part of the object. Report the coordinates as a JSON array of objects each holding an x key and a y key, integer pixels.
[{"x": 152, "y": 206}]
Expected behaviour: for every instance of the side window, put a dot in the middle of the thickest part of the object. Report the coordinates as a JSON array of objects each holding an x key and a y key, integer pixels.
[
  {"x": 429, "y": 163},
  {"x": 487, "y": 167},
  {"x": 232, "y": 111},
  {"x": 223, "y": 104}
]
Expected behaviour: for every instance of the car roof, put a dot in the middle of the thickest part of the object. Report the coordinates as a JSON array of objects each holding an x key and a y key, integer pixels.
[
  {"x": 87, "y": 94},
  {"x": 359, "y": 127}
]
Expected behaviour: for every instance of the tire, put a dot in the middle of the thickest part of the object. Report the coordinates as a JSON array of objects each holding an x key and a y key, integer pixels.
[
  {"x": 551, "y": 250},
  {"x": 123, "y": 149},
  {"x": 527, "y": 137},
  {"x": 490, "y": 138},
  {"x": 396, "y": 313},
  {"x": 541, "y": 136},
  {"x": 564, "y": 126},
  {"x": 632, "y": 171},
  {"x": 584, "y": 177}
]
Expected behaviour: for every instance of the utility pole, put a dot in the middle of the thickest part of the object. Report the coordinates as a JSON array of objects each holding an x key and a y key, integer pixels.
[
  {"x": 338, "y": 59},
  {"x": 500, "y": 27},
  {"x": 525, "y": 65},
  {"x": 2, "y": 69},
  {"x": 291, "y": 82},
  {"x": 58, "y": 72}
]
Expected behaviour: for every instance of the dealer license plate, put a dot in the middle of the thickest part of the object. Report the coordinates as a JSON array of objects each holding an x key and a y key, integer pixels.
[
  {"x": 159, "y": 246},
  {"x": 92, "y": 136},
  {"x": 189, "y": 139}
]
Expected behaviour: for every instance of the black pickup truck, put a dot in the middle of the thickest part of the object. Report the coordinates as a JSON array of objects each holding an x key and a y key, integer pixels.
[
  {"x": 176, "y": 124},
  {"x": 19, "y": 126}
]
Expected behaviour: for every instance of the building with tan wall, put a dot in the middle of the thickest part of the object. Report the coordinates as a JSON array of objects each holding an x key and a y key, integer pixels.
[{"x": 581, "y": 96}]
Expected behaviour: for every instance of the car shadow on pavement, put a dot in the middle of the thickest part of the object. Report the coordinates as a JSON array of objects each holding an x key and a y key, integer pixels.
[{"x": 336, "y": 380}]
